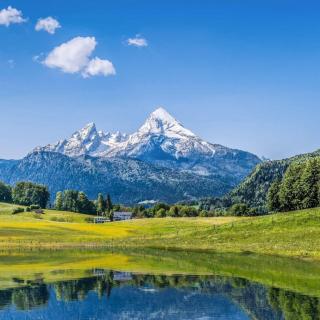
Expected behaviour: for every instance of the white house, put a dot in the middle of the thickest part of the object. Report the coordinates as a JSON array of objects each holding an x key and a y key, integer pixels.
[{"x": 120, "y": 215}]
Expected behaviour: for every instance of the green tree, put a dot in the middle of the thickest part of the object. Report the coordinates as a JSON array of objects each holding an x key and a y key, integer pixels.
[
  {"x": 310, "y": 183},
  {"x": 161, "y": 213},
  {"x": 186, "y": 211},
  {"x": 101, "y": 204},
  {"x": 5, "y": 193},
  {"x": 28, "y": 193},
  {"x": 291, "y": 191},
  {"x": 109, "y": 205},
  {"x": 239, "y": 209},
  {"x": 84, "y": 205},
  {"x": 273, "y": 198},
  {"x": 70, "y": 200},
  {"x": 174, "y": 211},
  {"x": 203, "y": 213},
  {"x": 58, "y": 203}
]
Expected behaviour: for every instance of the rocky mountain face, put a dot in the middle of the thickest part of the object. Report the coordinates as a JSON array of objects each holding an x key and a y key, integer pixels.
[
  {"x": 162, "y": 160},
  {"x": 163, "y": 141},
  {"x": 129, "y": 181}
]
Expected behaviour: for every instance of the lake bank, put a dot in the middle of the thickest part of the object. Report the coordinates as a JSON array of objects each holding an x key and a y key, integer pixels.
[{"x": 61, "y": 265}]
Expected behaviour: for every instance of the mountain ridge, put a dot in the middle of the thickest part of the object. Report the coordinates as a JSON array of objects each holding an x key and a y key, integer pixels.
[
  {"x": 162, "y": 161},
  {"x": 128, "y": 181},
  {"x": 161, "y": 140}
]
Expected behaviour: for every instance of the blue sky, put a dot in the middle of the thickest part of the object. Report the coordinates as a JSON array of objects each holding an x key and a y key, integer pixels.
[{"x": 244, "y": 74}]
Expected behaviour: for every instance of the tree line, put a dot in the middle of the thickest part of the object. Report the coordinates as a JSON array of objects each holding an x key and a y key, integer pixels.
[
  {"x": 31, "y": 194},
  {"x": 25, "y": 193},
  {"x": 78, "y": 201},
  {"x": 298, "y": 189}
]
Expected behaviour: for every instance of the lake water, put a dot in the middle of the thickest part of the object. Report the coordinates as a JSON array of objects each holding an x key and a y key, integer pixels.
[{"x": 100, "y": 293}]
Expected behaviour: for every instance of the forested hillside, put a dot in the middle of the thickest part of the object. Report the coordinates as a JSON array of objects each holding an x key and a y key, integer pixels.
[{"x": 253, "y": 191}]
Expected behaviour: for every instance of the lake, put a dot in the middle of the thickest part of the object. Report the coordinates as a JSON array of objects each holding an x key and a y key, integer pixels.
[{"x": 155, "y": 285}]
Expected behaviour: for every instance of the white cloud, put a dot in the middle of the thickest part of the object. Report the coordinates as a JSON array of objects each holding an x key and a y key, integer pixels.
[
  {"x": 10, "y": 15},
  {"x": 137, "y": 41},
  {"x": 48, "y": 24},
  {"x": 97, "y": 67},
  {"x": 74, "y": 57}
]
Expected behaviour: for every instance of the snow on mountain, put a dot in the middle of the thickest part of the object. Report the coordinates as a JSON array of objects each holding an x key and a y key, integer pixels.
[
  {"x": 87, "y": 141},
  {"x": 162, "y": 160},
  {"x": 161, "y": 135},
  {"x": 162, "y": 141}
]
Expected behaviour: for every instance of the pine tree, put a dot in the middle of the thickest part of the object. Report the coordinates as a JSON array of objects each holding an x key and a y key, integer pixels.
[
  {"x": 84, "y": 205},
  {"x": 273, "y": 199},
  {"x": 58, "y": 204},
  {"x": 101, "y": 204},
  {"x": 109, "y": 205},
  {"x": 5, "y": 193},
  {"x": 291, "y": 194},
  {"x": 310, "y": 183}
]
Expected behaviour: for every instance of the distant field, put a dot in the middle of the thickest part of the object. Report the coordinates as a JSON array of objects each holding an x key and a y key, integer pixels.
[{"x": 287, "y": 234}]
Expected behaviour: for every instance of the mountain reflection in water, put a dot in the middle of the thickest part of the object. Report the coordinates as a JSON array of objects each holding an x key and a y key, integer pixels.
[{"x": 120, "y": 295}]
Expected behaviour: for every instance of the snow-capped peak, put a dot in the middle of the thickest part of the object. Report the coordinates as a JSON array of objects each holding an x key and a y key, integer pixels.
[
  {"x": 163, "y": 115},
  {"x": 86, "y": 132},
  {"x": 162, "y": 122},
  {"x": 161, "y": 136}
]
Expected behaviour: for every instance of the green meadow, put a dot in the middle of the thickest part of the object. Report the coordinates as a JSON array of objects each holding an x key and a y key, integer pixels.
[{"x": 294, "y": 234}]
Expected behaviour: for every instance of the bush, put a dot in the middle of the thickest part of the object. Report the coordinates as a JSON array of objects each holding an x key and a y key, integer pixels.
[
  {"x": 204, "y": 213},
  {"x": 239, "y": 209},
  {"x": 34, "y": 207},
  {"x": 28, "y": 209},
  {"x": 57, "y": 219},
  {"x": 161, "y": 213},
  {"x": 17, "y": 210}
]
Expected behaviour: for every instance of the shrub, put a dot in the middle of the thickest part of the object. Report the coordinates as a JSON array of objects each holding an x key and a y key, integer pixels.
[
  {"x": 28, "y": 209},
  {"x": 34, "y": 207},
  {"x": 57, "y": 219},
  {"x": 239, "y": 209},
  {"x": 203, "y": 213},
  {"x": 161, "y": 213},
  {"x": 17, "y": 210}
]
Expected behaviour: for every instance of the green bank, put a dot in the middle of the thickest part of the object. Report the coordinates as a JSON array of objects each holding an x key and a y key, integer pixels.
[{"x": 294, "y": 234}]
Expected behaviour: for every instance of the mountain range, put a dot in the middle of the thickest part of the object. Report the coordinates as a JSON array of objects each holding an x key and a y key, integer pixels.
[{"x": 161, "y": 161}]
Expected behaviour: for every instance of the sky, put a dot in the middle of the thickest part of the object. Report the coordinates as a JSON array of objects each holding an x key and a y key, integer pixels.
[{"x": 244, "y": 74}]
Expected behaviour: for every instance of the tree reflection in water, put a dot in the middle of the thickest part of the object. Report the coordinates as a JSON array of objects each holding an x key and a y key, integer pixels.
[{"x": 254, "y": 300}]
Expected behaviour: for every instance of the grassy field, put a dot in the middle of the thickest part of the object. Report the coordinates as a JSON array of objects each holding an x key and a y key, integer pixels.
[{"x": 295, "y": 234}]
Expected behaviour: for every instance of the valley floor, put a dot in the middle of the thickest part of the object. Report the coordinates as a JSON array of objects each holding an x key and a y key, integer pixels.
[{"x": 295, "y": 234}]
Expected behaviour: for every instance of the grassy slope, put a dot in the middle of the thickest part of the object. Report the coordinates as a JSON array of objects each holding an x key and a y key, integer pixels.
[
  {"x": 288, "y": 234},
  {"x": 27, "y": 229}
]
